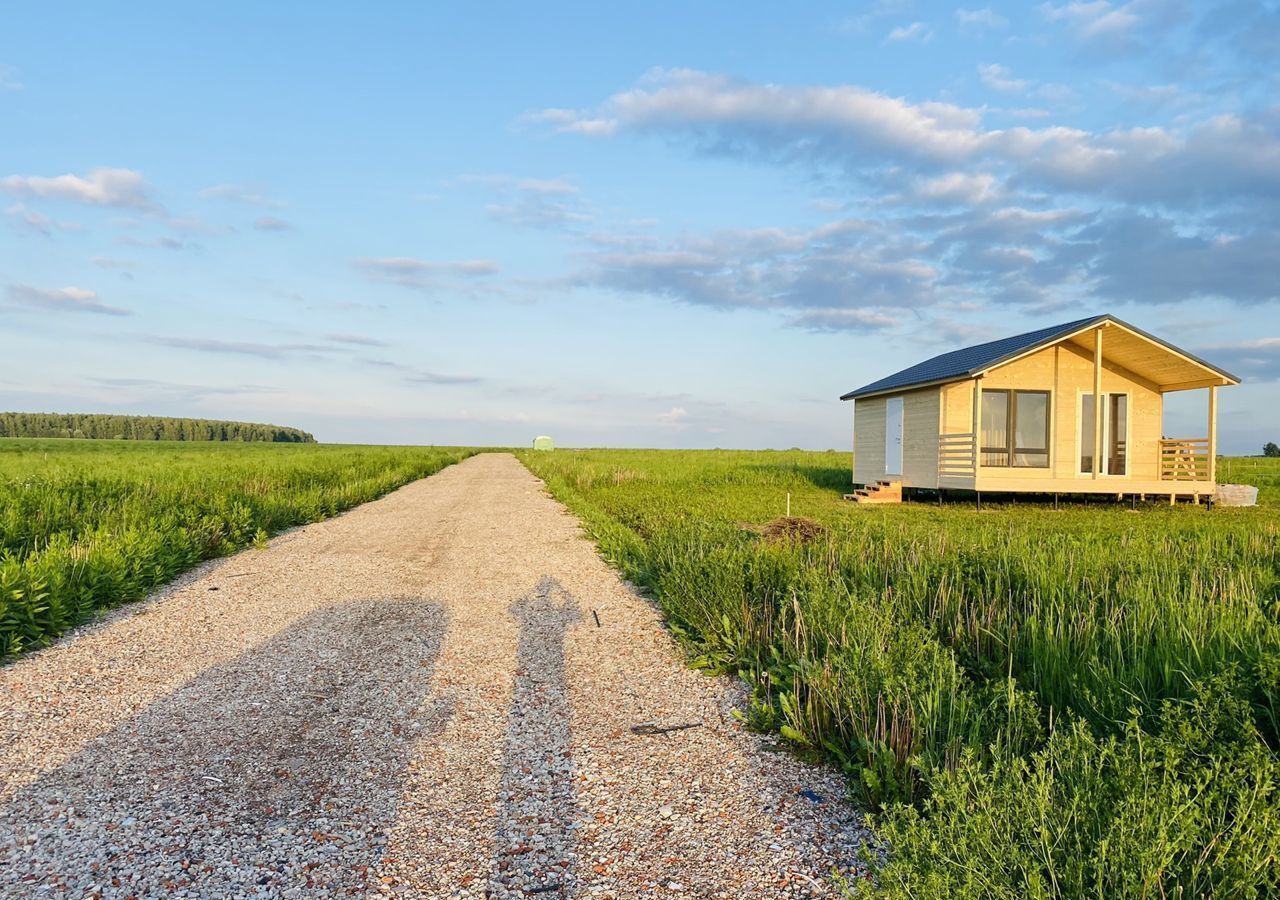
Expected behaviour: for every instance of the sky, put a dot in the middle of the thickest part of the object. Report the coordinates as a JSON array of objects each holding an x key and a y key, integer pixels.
[{"x": 664, "y": 225}]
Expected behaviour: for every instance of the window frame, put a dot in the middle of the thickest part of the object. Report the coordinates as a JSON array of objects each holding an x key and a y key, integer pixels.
[{"x": 1011, "y": 450}]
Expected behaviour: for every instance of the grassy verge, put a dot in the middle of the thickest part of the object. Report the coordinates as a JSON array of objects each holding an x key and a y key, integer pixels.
[
  {"x": 1033, "y": 703},
  {"x": 87, "y": 525}
]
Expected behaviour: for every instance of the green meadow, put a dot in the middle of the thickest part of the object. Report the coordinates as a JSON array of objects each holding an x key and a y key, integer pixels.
[
  {"x": 1032, "y": 702},
  {"x": 88, "y": 525}
]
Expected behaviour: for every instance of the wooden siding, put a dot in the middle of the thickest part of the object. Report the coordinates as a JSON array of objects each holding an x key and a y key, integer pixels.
[
  {"x": 920, "y": 410},
  {"x": 868, "y": 440},
  {"x": 920, "y": 438},
  {"x": 1066, "y": 373}
]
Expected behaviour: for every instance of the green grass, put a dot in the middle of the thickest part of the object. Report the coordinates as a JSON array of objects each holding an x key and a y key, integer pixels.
[
  {"x": 1035, "y": 703},
  {"x": 87, "y": 525}
]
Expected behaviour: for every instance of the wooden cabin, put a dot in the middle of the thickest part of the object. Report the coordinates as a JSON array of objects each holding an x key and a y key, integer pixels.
[{"x": 1073, "y": 409}]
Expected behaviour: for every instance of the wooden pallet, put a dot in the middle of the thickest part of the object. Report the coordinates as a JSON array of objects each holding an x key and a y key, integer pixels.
[{"x": 880, "y": 492}]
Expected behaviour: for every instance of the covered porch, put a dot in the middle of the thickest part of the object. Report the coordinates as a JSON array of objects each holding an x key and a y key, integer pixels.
[{"x": 1085, "y": 440}]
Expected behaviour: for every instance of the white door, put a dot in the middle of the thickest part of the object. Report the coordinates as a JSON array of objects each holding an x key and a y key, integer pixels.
[{"x": 893, "y": 436}]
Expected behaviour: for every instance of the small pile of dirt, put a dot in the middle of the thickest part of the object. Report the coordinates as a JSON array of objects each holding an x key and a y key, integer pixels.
[{"x": 792, "y": 528}]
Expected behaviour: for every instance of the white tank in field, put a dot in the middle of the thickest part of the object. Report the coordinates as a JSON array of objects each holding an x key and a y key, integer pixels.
[{"x": 1235, "y": 495}]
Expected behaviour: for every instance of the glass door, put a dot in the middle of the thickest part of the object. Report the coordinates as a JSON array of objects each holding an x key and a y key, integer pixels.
[{"x": 1115, "y": 433}]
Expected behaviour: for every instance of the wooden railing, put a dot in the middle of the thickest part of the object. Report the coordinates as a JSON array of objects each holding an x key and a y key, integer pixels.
[
  {"x": 957, "y": 454},
  {"x": 1185, "y": 460}
]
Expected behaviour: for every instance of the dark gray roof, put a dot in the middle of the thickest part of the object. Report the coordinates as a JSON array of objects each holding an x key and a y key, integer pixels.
[
  {"x": 970, "y": 361},
  {"x": 966, "y": 363}
]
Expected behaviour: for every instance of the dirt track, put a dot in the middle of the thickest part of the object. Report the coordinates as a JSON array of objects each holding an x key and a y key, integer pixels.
[{"x": 413, "y": 698}]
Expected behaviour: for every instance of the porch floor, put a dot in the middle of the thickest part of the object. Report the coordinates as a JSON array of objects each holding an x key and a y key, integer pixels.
[{"x": 1081, "y": 485}]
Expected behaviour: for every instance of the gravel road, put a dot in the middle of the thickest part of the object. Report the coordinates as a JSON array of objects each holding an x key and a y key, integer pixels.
[{"x": 412, "y": 699}]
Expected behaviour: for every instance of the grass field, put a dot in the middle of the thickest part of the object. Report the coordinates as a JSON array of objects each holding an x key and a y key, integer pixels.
[
  {"x": 86, "y": 525},
  {"x": 1035, "y": 703}
]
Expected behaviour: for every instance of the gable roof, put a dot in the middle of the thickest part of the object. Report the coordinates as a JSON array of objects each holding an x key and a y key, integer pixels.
[{"x": 967, "y": 363}]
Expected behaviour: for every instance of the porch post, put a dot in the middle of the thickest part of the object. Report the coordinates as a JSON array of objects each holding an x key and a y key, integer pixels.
[
  {"x": 1098, "y": 412},
  {"x": 977, "y": 428},
  {"x": 1213, "y": 434}
]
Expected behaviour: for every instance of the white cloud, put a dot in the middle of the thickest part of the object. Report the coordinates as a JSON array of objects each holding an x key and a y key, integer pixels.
[
  {"x": 358, "y": 340},
  {"x": 553, "y": 203},
  {"x": 840, "y": 265},
  {"x": 861, "y": 320},
  {"x": 162, "y": 242},
  {"x": 556, "y": 187},
  {"x": 240, "y": 348},
  {"x": 1101, "y": 24},
  {"x": 1254, "y": 360},
  {"x": 442, "y": 378},
  {"x": 675, "y": 417},
  {"x": 1267, "y": 343},
  {"x": 66, "y": 299},
  {"x": 873, "y": 12},
  {"x": 422, "y": 274},
  {"x": 959, "y": 187},
  {"x": 107, "y": 262},
  {"x": 271, "y": 223},
  {"x": 980, "y": 18},
  {"x": 407, "y": 265},
  {"x": 917, "y": 32},
  {"x": 571, "y": 122},
  {"x": 122, "y": 188},
  {"x": 1092, "y": 18},
  {"x": 247, "y": 194},
  {"x": 1032, "y": 217},
  {"x": 1155, "y": 95},
  {"x": 859, "y": 130},
  {"x": 413, "y": 375},
  {"x": 9, "y": 79},
  {"x": 30, "y": 220},
  {"x": 829, "y": 120},
  {"x": 999, "y": 78}
]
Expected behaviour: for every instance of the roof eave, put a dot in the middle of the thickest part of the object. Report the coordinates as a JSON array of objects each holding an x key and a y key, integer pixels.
[{"x": 862, "y": 394}]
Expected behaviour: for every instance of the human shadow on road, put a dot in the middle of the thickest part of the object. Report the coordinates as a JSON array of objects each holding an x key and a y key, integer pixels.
[
  {"x": 279, "y": 769},
  {"x": 535, "y": 845}
]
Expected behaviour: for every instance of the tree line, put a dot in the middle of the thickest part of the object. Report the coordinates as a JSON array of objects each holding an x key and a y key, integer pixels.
[{"x": 143, "y": 428}]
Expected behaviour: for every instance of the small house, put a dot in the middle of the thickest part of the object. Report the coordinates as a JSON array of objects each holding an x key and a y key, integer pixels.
[{"x": 1073, "y": 409}]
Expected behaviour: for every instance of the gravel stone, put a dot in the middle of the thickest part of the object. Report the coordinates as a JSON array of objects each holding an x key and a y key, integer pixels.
[{"x": 411, "y": 699}]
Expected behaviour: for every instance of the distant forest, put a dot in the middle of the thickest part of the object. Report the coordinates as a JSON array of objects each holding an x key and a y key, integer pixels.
[{"x": 143, "y": 428}]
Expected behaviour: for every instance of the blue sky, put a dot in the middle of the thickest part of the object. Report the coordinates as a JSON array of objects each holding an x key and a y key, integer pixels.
[{"x": 676, "y": 225}]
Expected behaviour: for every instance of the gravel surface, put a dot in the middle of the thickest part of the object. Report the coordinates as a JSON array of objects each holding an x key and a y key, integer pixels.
[{"x": 412, "y": 699}]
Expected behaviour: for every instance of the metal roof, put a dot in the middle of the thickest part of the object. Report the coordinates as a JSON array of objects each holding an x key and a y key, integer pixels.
[{"x": 968, "y": 362}]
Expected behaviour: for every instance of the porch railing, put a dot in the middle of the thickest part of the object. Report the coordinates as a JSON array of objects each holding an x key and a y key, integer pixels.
[
  {"x": 957, "y": 454},
  {"x": 1185, "y": 459}
]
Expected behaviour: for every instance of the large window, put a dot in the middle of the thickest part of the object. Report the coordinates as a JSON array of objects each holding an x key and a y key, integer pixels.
[{"x": 1015, "y": 428}]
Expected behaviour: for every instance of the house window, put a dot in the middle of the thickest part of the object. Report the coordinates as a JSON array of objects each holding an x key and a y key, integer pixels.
[{"x": 1015, "y": 429}]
